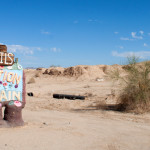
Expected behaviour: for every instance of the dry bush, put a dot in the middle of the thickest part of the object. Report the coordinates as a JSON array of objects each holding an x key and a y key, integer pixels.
[
  {"x": 37, "y": 74},
  {"x": 32, "y": 80},
  {"x": 40, "y": 68},
  {"x": 135, "y": 93},
  {"x": 54, "y": 66}
]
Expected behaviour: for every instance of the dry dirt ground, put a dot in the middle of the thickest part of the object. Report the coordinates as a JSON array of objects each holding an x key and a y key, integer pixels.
[{"x": 54, "y": 124}]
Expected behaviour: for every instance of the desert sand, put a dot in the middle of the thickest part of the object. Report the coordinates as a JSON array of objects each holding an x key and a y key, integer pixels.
[{"x": 54, "y": 124}]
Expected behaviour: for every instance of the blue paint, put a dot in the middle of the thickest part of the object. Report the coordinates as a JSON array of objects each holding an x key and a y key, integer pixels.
[
  {"x": 11, "y": 103},
  {"x": 10, "y": 88}
]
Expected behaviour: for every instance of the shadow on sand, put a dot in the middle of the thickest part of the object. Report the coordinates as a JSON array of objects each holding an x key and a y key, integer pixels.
[{"x": 105, "y": 107}]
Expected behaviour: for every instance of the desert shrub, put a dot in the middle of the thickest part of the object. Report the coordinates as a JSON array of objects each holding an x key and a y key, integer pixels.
[
  {"x": 32, "y": 80},
  {"x": 39, "y": 68},
  {"x": 37, "y": 74},
  {"x": 54, "y": 66},
  {"x": 135, "y": 92}
]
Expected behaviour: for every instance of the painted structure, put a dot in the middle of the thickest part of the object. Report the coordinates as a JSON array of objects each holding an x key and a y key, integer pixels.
[{"x": 12, "y": 89}]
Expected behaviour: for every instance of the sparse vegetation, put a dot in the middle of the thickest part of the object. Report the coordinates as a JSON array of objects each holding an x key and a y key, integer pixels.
[
  {"x": 54, "y": 66},
  {"x": 135, "y": 94},
  {"x": 32, "y": 80},
  {"x": 37, "y": 74}
]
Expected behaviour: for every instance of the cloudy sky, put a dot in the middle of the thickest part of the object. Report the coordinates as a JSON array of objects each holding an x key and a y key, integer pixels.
[{"x": 73, "y": 32}]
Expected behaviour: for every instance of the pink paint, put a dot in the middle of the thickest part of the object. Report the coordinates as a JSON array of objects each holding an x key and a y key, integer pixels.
[
  {"x": 5, "y": 84},
  {"x": 1, "y": 67},
  {"x": 17, "y": 103}
]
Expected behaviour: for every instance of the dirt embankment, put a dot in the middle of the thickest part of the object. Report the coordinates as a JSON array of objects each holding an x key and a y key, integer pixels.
[{"x": 82, "y": 72}]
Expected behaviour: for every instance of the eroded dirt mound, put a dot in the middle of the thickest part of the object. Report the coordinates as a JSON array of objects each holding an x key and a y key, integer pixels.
[
  {"x": 74, "y": 71},
  {"x": 83, "y": 71},
  {"x": 54, "y": 71},
  {"x": 107, "y": 69}
]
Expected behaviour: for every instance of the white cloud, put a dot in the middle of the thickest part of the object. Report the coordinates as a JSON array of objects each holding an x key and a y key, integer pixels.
[
  {"x": 45, "y": 32},
  {"x": 133, "y": 34},
  {"x": 145, "y": 45},
  {"x": 116, "y": 32},
  {"x": 54, "y": 49},
  {"x": 141, "y": 32},
  {"x": 140, "y": 54},
  {"x": 22, "y": 49}
]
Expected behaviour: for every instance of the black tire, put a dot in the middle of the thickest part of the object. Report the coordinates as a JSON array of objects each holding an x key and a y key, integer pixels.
[
  {"x": 71, "y": 97},
  {"x": 30, "y": 94}
]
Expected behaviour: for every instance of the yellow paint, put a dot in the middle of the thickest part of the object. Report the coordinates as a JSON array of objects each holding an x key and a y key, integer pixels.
[
  {"x": 9, "y": 95},
  {"x": 1, "y": 71},
  {"x": 17, "y": 79},
  {"x": 5, "y": 75},
  {"x": 3, "y": 95},
  {"x": 17, "y": 95},
  {"x": 8, "y": 77}
]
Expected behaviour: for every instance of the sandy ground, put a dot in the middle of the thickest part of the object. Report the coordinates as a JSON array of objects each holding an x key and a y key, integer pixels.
[{"x": 52, "y": 124}]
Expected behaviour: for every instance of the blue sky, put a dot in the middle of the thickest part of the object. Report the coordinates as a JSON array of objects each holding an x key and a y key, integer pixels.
[{"x": 75, "y": 32}]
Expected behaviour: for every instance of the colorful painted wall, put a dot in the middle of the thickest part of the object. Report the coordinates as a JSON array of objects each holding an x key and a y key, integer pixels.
[
  {"x": 11, "y": 82},
  {"x": 12, "y": 89}
]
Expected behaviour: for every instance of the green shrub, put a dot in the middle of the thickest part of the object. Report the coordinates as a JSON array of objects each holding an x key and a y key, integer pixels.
[{"x": 135, "y": 93}]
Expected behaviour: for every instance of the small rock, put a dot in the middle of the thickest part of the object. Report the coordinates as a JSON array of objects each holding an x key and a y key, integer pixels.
[{"x": 100, "y": 79}]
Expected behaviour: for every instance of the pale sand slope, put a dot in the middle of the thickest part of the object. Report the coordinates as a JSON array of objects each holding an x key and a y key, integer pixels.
[{"x": 53, "y": 124}]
